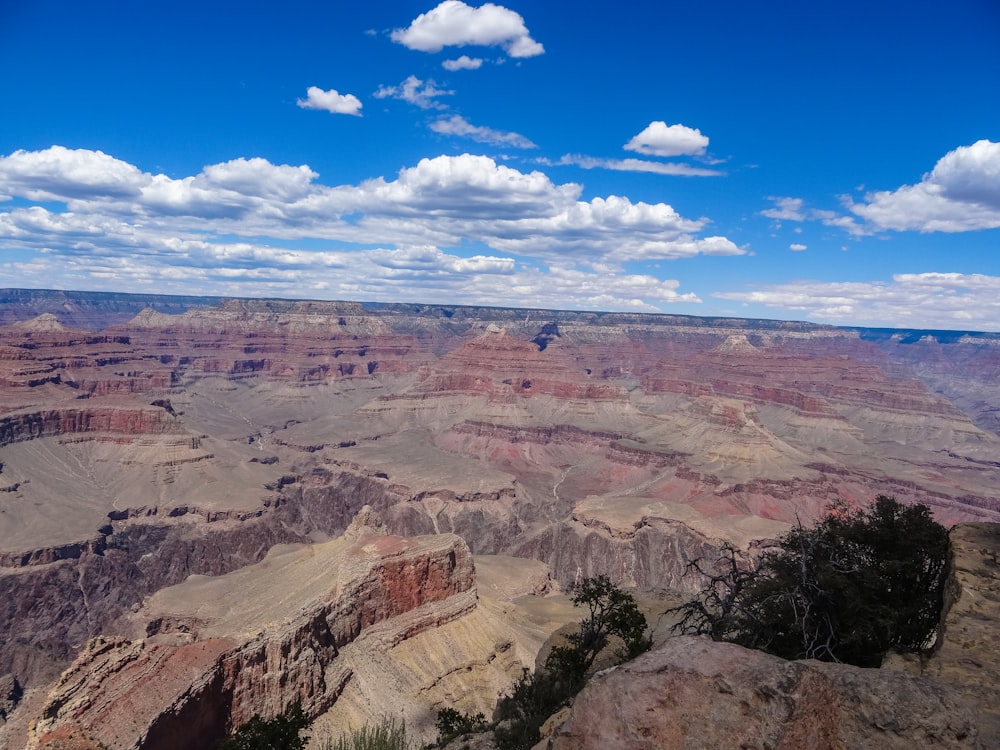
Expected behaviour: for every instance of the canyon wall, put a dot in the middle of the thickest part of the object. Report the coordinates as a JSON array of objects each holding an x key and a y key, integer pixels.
[
  {"x": 143, "y": 440},
  {"x": 210, "y": 659}
]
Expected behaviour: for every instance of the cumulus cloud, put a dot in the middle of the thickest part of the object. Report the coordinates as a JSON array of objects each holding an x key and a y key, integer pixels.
[
  {"x": 259, "y": 178},
  {"x": 415, "y": 91},
  {"x": 238, "y": 228},
  {"x": 660, "y": 139},
  {"x": 330, "y": 101},
  {"x": 59, "y": 173},
  {"x": 628, "y": 232},
  {"x": 797, "y": 247},
  {"x": 952, "y": 301},
  {"x": 452, "y": 192},
  {"x": 455, "y": 24},
  {"x": 637, "y": 165},
  {"x": 961, "y": 193},
  {"x": 427, "y": 258},
  {"x": 459, "y": 126},
  {"x": 788, "y": 209},
  {"x": 464, "y": 62}
]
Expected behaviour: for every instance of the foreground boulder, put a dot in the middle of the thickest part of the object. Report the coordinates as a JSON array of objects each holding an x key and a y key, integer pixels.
[{"x": 695, "y": 693}]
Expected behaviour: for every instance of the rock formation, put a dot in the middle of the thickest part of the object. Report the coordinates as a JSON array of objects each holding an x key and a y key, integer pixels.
[
  {"x": 147, "y": 439},
  {"x": 691, "y": 692},
  {"x": 966, "y": 653},
  {"x": 694, "y": 693},
  {"x": 213, "y": 651}
]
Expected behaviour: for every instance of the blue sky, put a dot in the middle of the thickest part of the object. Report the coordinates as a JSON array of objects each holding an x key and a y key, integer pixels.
[{"x": 830, "y": 162}]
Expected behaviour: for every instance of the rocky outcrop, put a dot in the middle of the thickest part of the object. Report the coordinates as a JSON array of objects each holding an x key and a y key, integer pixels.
[
  {"x": 966, "y": 654},
  {"x": 691, "y": 692},
  {"x": 694, "y": 693},
  {"x": 640, "y": 542},
  {"x": 11, "y": 693},
  {"x": 68, "y": 421},
  {"x": 231, "y": 652},
  {"x": 50, "y": 610}
]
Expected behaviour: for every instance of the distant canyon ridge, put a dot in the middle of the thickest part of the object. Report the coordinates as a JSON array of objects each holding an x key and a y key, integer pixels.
[{"x": 145, "y": 439}]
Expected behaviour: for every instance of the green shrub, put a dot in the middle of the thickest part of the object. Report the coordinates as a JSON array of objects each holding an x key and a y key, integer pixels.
[
  {"x": 387, "y": 734},
  {"x": 283, "y": 732},
  {"x": 851, "y": 588},
  {"x": 451, "y": 723},
  {"x": 531, "y": 700}
]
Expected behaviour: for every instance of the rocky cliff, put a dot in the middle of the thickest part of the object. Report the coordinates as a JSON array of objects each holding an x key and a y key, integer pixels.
[
  {"x": 966, "y": 654},
  {"x": 691, "y": 692},
  {"x": 213, "y": 652},
  {"x": 143, "y": 440}
]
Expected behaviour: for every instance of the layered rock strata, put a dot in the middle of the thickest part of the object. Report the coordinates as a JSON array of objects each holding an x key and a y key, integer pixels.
[
  {"x": 258, "y": 641},
  {"x": 191, "y": 436}
]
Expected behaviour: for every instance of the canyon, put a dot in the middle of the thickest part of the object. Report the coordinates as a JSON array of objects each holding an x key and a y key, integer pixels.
[{"x": 161, "y": 457}]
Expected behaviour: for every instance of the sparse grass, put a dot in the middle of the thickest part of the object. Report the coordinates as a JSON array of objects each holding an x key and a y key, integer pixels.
[{"x": 387, "y": 734}]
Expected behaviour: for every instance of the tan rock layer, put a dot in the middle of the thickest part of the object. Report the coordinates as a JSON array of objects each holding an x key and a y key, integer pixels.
[
  {"x": 180, "y": 689},
  {"x": 967, "y": 652}
]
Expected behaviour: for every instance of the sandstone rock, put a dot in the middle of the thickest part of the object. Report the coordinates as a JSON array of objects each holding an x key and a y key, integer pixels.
[
  {"x": 218, "y": 651},
  {"x": 694, "y": 693},
  {"x": 642, "y": 542},
  {"x": 483, "y": 741},
  {"x": 967, "y": 652}
]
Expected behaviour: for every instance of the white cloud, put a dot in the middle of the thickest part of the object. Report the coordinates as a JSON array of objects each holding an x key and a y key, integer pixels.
[
  {"x": 259, "y": 178},
  {"x": 59, "y": 173},
  {"x": 464, "y": 62},
  {"x": 798, "y": 247},
  {"x": 794, "y": 209},
  {"x": 416, "y": 92},
  {"x": 330, "y": 101},
  {"x": 455, "y": 24},
  {"x": 429, "y": 259},
  {"x": 458, "y": 125},
  {"x": 613, "y": 230},
  {"x": 971, "y": 174},
  {"x": 408, "y": 273},
  {"x": 789, "y": 209},
  {"x": 961, "y": 193},
  {"x": 660, "y": 139},
  {"x": 637, "y": 165},
  {"x": 234, "y": 229},
  {"x": 922, "y": 300}
]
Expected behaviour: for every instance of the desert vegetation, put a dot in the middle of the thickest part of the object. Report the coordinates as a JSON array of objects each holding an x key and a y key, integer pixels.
[
  {"x": 613, "y": 622},
  {"x": 849, "y": 589},
  {"x": 286, "y": 731},
  {"x": 283, "y": 732},
  {"x": 386, "y": 734},
  {"x": 613, "y": 618}
]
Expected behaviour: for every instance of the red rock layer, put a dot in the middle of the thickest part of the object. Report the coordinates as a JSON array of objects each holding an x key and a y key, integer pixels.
[{"x": 156, "y": 696}]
